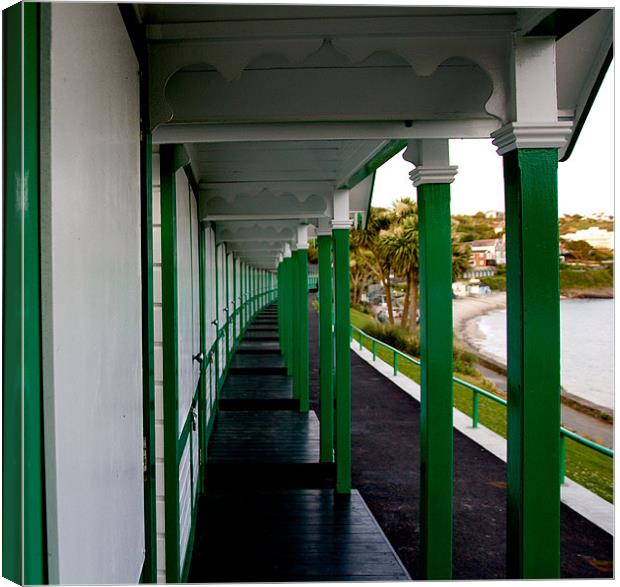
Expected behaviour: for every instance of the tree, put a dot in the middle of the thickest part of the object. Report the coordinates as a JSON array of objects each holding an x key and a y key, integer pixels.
[
  {"x": 399, "y": 244},
  {"x": 366, "y": 249}
]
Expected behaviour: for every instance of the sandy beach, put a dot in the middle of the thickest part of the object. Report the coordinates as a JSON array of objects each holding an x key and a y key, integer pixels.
[{"x": 464, "y": 310}]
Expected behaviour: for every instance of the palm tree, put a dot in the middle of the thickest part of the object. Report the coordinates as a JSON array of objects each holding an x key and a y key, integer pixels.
[{"x": 400, "y": 246}]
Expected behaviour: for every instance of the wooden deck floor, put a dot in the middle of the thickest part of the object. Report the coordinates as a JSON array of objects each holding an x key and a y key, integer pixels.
[
  {"x": 290, "y": 535},
  {"x": 269, "y": 513}
]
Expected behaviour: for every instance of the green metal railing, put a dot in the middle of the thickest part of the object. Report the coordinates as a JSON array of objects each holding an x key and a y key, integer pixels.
[{"x": 476, "y": 392}]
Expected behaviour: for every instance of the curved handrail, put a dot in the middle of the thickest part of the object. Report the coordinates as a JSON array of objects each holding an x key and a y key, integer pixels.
[{"x": 564, "y": 432}]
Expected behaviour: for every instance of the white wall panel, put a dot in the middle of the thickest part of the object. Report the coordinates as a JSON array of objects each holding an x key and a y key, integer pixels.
[
  {"x": 92, "y": 299},
  {"x": 184, "y": 297}
]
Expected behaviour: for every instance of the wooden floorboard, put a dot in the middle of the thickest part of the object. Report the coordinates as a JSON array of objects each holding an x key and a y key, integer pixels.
[
  {"x": 258, "y": 363},
  {"x": 265, "y": 436},
  {"x": 290, "y": 535}
]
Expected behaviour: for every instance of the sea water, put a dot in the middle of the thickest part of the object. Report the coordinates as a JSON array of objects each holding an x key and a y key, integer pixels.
[{"x": 587, "y": 339}]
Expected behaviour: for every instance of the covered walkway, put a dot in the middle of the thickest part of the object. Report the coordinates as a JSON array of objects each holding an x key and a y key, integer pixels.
[
  {"x": 269, "y": 511},
  {"x": 167, "y": 166}
]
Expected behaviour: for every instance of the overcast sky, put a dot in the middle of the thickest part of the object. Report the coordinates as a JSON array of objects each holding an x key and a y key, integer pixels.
[{"x": 585, "y": 181}]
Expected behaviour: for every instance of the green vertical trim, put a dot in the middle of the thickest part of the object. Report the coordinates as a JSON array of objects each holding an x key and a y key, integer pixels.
[
  {"x": 436, "y": 385},
  {"x": 302, "y": 320},
  {"x": 148, "y": 359},
  {"x": 326, "y": 348},
  {"x": 14, "y": 373},
  {"x": 170, "y": 360},
  {"x": 22, "y": 391},
  {"x": 342, "y": 388},
  {"x": 533, "y": 321}
]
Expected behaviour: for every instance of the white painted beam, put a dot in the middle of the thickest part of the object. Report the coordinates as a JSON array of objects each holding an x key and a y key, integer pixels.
[{"x": 172, "y": 133}]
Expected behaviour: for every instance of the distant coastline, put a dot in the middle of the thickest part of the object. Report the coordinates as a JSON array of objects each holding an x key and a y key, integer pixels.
[
  {"x": 598, "y": 293},
  {"x": 466, "y": 331}
]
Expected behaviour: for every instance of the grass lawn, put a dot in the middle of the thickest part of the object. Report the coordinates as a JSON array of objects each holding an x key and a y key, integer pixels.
[{"x": 585, "y": 466}]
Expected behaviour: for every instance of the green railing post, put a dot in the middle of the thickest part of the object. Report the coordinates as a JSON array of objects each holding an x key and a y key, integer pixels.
[
  {"x": 343, "y": 360},
  {"x": 374, "y": 350},
  {"x": 326, "y": 348},
  {"x": 395, "y": 363},
  {"x": 361, "y": 340},
  {"x": 533, "y": 324},
  {"x": 474, "y": 409},
  {"x": 436, "y": 393}
]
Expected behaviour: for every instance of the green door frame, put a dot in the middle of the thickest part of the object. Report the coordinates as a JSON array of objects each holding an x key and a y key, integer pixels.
[
  {"x": 24, "y": 540},
  {"x": 173, "y": 158}
]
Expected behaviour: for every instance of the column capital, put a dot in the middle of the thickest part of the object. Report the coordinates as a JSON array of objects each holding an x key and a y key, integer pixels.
[
  {"x": 287, "y": 250},
  {"x": 435, "y": 174},
  {"x": 341, "y": 210},
  {"x": 431, "y": 158},
  {"x": 324, "y": 227},
  {"x": 302, "y": 237},
  {"x": 531, "y": 135}
]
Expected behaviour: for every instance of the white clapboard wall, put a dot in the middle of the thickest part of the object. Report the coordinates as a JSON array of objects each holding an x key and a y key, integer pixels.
[{"x": 91, "y": 296}]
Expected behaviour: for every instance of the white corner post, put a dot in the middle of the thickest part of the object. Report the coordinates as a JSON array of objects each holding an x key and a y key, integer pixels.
[
  {"x": 529, "y": 145},
  {"x": 341, "y": 225},
  {"x": 432, "y": 177}
]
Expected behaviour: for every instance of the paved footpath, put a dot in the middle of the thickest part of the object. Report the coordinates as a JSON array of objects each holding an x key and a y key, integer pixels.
[{"x": 386, "y": 463}]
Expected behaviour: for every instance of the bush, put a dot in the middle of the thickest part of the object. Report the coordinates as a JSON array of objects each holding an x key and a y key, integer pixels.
[
  {"x": 409, "y": 343},
  {"x": 362, "y": 307}
]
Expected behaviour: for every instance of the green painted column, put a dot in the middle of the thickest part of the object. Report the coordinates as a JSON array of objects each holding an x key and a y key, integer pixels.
[
  {"x": 436, "y": 445},
  {"x": 432, "y": 177},
  {"x": 342, "y": 386},
  {"x": 290, "y": 314},
  {"x": 533, "y": 298},
  {"x": 279, "y": 307},
  {"x": 326, "y": 348},
  {"x": 301, "y": 318},
  {"x": 288, "y": 326},
  {"x": 295, "y": 330}
]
